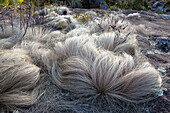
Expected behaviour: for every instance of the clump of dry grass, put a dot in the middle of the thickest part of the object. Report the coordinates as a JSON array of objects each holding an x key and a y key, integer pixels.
[
  {"x": 110, "y": 23},
  {"x": 70, "y": 47},
  {"x": 110, "y": 78},
  {"x": 78, "y": 32},
  {"x": 18, "y": 78},
  {"x": 117, "y": 43},
  {"x": 40, "y": 53},
  {"x": 39, "y": 45},
  {"x": 93, "y": 72}
]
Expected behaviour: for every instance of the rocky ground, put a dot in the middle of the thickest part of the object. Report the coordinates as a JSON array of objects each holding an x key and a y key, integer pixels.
[{"x": 159, "y": 26}]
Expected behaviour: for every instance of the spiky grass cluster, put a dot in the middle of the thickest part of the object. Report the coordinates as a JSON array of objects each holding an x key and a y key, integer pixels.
[
  {"x": 109, "y": 23},
  {"x": 111, "y": 78},
  {"x": 115, "y": 43},
  {"x": 39, "y": 45},
  {"x": 105, "y": 69},
  {"x": 18, "y": 78}
]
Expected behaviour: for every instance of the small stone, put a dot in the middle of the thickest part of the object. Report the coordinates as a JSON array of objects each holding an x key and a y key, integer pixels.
[
  {"x": 157, "y": 52},
  {"x": 67, "y": 94},
  {"x": 161, "y": 69},
  {"x": 161, "y": 93},
  {"x": 150, "y": 52}
]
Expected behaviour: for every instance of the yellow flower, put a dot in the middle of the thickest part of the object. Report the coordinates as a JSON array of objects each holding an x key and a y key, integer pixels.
[
  {"x": 20, "y": 1},
  {"x": 112, "y": 7}
]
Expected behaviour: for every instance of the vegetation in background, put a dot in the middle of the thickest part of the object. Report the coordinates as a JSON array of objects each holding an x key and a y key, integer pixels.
[
  {"x": 128, "y": 4},
  {"x": 24, "y": 10},
  {"x": 76, "y": 3}
]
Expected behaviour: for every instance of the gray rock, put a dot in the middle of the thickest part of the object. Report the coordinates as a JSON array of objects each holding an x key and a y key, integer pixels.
[
  {"x": 161, "y": 69},
  {"x": 150, "y": 52}
]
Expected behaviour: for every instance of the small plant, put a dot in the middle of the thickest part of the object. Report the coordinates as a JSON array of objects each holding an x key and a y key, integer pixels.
[
  {"x": 83, "y": 18},
  {"x": 160, "y": 12}
]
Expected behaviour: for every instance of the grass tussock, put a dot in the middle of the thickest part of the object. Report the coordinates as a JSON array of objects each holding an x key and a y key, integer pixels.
[
  {"x": 18, "y": 78},
  {"x": 97, "y": 74}
]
